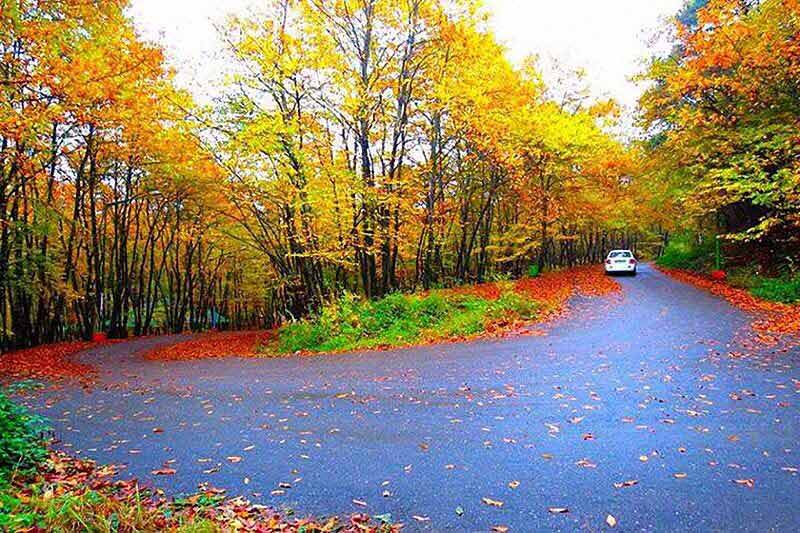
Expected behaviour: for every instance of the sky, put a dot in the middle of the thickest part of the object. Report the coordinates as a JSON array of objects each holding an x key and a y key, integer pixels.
[{"x": 608, "y": 38}]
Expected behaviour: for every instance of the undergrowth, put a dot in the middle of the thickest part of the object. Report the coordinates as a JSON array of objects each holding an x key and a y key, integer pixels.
[
  {"x": 784, "y": 288},
  {"x": 22, "y": 446},
  {"x": 67, "y": 495},
  {"x": 685, "y": 252},
  {"x": 401, "y": 319}
]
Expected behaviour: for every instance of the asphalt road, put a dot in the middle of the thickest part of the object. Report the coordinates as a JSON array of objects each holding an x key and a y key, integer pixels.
[{"x": 650, "y": 386}]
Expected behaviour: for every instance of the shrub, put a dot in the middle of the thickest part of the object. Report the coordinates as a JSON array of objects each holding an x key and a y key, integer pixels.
[
  {"x": 22, "y": 446},
  {"x": 785, "y": 289},
  {"x": 90, "y": 510},
  {"x": 683, "y": 251},
  {"x": 516, "y": 305},
  {"x": 401, "y": 319},
  {"x": 533, "y": 271}
]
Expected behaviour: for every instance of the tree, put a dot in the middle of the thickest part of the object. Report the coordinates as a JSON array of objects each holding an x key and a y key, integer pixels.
[{"x": 723, "y": 111}]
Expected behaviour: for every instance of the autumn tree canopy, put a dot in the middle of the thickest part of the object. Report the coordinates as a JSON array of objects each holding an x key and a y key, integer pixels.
[
  {"x": 367, "y": 146},
  {"x": 722, "y": 114}
]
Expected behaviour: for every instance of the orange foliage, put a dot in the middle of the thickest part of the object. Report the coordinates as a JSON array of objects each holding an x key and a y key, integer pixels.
[
  {"x": 772, "y": 318},
  {"x": 211, "y": 345},
  {"x": 50, "y": 361}
]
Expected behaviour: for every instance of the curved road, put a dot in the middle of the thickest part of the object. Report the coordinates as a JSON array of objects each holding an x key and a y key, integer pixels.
[{"x": 636, "y": 387}]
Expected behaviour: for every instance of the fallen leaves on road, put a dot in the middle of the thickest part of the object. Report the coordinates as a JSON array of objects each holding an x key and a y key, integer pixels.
[
  {"x": 491, "y": 502},
  {"x": 213, "y": 344},
  {"x": 773, "y": 319},
  {"x": 551, "y": 289},
  {"x": 49, "y": 361},
  {"x": 101, "y": 495}
]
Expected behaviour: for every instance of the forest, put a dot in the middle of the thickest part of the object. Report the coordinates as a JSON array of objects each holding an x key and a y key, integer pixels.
[{"x": 368, "y": 147}]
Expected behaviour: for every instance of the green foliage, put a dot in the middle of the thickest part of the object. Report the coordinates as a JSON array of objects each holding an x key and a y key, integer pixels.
[
  {"x": 401, "y": 319},
  {"x": 533, "y": 271},
  {"x": 87, "y": 511},
  {"x": 21, "y": 444},
  {"x": 685, "y": 252},
  {"x": 783, "y": 289}
]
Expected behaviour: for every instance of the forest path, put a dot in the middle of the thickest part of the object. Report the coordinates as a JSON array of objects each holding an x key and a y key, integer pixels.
[{"x": 638, "y": 387}]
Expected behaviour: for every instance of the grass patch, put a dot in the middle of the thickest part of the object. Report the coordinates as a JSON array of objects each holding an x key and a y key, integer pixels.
[
  {"x": 67, "y": 495},
  {"x": 684, "y": 252},
  {"x": 22, "y": 446},
  {"x": 403, "y": 319},
  {"x": 783, "y": 289}
]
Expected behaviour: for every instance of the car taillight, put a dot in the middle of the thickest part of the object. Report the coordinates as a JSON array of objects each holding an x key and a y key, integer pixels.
[
  {"x": 608, "y": 261},
  {"x": 632, "y": 261}
]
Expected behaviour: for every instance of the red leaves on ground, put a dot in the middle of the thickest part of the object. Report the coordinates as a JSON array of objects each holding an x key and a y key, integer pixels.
[
  {"x": 550, "y": 288},
  {"x": 773, "y": 318},
  {"x": 49, "y": 361},
  {"x": 555, "y": 288},
  {"x": 213, "y": 344},
  {"x": 63, "y": 475},
  {"x": 485, "y": 291}
]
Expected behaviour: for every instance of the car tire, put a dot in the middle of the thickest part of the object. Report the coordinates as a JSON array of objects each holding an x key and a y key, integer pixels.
[{"x": 634, "y": 272}]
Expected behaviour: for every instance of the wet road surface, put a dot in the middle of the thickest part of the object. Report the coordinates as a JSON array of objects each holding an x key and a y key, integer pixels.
[{"x": 649, "y": 386}]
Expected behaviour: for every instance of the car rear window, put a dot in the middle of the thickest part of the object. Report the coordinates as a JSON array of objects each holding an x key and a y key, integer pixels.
[{"x": 620, "y": 254}]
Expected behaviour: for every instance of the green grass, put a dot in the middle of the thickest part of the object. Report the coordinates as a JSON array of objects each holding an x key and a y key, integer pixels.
[
  {"x": 783, "y": 289},
  {"x": 401, "y": 319},
  {"x": 684, "y": 252},
  {"x": 21, "y": 444},
  {"x": 90, "y": 510}
]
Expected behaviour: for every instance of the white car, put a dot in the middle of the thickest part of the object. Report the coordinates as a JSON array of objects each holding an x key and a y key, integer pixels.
[{"x": 621, "y": 261}]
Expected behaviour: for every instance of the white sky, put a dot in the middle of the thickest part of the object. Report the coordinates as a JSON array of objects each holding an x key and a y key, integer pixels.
[{"x": 608, "y": 38}]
